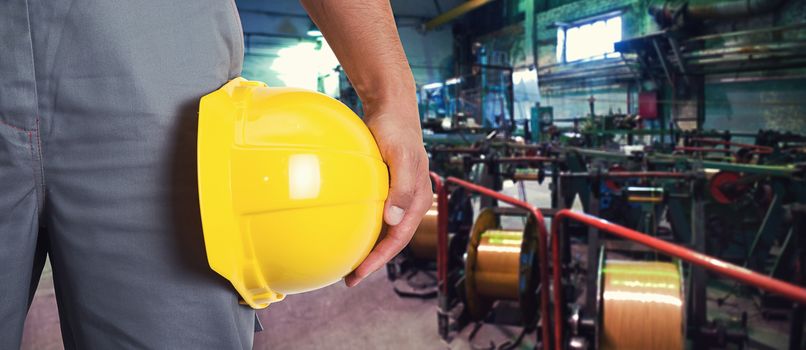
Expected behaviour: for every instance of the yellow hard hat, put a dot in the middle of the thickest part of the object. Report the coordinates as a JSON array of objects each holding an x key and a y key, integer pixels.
[{"x": 291, "y": 187}]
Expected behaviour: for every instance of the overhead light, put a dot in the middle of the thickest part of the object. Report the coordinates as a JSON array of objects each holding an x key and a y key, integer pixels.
[
  {"x": 313, "y": 31},
  {"x": 453, "y": 81},
  {"x": 432, "y": 86}
]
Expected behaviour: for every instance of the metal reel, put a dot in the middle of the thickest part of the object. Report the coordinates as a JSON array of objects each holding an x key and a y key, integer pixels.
[{"x": 479, "y": 294}]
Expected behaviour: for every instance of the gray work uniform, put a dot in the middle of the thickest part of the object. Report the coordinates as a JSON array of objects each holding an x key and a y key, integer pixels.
[{"x": 98, "y": 117}]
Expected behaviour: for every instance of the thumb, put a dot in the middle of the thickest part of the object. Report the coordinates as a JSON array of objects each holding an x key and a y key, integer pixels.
[{"x": 402, "y": 187}]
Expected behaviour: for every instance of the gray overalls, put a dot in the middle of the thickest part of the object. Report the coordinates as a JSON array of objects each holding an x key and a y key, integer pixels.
[{"x": 98, "y": 114}]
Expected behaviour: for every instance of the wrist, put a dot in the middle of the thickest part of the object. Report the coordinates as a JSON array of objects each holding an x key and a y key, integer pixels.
[{"x": 383, "y": 94}]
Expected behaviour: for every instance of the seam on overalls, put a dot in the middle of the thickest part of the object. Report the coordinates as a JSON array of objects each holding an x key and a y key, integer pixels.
[
  {"x": 15, "y": 127},
  {"x": 33, "y": 167},
  {"x": 41, "y": 163}
]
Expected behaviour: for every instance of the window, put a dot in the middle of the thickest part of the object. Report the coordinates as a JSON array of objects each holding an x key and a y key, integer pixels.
[{"x": 590, "y": 41}]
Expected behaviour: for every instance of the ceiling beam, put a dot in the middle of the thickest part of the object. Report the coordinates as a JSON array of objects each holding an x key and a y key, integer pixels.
[{"x": 455, "y": 13}]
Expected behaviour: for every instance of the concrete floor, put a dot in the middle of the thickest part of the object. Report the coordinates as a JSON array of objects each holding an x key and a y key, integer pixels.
[
  {"x": 42, "y": 330},
  {"x": 369, "y": 316}
]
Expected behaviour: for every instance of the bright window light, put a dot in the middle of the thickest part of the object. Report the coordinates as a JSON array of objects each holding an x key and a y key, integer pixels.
[
  {"x": 590, "y": 41},
  {"x": 301, "y": 64}
]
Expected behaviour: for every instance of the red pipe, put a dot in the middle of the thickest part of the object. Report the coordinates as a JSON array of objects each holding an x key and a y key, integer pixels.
[
  {"x": 542, "y": 243},
  {"x": 788, "y": 290},
  {"x": 719, "y": 150},
  {"x": 723, "y": 142},
  {"x": 522, "y": 146}
]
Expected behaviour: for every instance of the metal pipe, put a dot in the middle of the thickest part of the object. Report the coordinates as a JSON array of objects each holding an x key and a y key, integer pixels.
[
  {"x": 527, "y": 159},
  {"x": 516, "y": 145},
  {"x": 456, "y": 150},
  {"x": 778, "y": 29},
  {"x": 752, "y": 48},
  {"x": 717, "y": 150},
  {"x": 542, "y": 246},
  {"x": 741, "y": 274},
  {"x": 665, "y": 14},
  {"x": 733, "y": 9},
  {"x": 701, "y": 149},
  {"x": 442, "y": 230},
  {"x": 630, "y": 174},
  {"x": 730, "y": 143},
  {"x": 455, "y": 13}
]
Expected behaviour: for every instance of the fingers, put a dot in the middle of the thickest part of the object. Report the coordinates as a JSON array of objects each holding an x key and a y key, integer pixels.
[
  {"x": 405, "y": 167},
  {"x": 398, "y": 235}
]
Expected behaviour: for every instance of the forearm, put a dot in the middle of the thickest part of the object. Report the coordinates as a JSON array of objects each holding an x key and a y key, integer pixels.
[{"x": 363, "y": 35}]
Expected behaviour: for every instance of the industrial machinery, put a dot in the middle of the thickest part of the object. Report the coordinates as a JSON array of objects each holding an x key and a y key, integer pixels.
[
  {"x": 412, "y": 272},
  {"x": 638, "y": 298},
  {"x": 690, "y": 237}
]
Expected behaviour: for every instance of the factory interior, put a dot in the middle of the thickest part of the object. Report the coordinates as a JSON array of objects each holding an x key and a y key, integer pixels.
[{"x": 620, "y": 174}]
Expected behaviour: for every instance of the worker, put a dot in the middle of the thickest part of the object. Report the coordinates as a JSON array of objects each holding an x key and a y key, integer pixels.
[{"x": 98, "y": 116}]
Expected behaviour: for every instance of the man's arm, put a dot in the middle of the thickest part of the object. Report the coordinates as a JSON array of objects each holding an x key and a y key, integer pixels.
[{"x": 363, "y": 35}]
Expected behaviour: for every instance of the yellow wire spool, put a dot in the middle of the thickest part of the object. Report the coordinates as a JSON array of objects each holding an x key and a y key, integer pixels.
[
  {"x": 423, "y": 244},
  {"x": 501, "y": 265},
  {"x": 643, "y": 306}
]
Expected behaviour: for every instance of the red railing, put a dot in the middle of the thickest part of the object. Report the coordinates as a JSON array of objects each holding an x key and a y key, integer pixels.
[{"x": 741, "y": 274}]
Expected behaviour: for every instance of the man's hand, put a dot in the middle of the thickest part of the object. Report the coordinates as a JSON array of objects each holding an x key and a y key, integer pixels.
[
  {"x": 363, "y": 35},
  {"x": 410, "y": 193}
]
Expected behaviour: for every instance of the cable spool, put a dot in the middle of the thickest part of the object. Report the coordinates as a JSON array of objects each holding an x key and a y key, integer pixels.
[
  {"x": 613, "y": 184},
  {"x": 423, "y": 244},
  {"x": 651, "y": 195},
  {"x": 726, "y": 187},
  {"x": 643, "y": 305},
  {"x": 501, "y": 265}
]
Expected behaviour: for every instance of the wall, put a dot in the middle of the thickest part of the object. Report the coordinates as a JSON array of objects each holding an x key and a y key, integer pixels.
[
  {"x": 430, "y": 54},
  {"x": 777, "y": 105},
  {"x": 766, "y": 100},
  {"x": 570, "y": 100}
]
